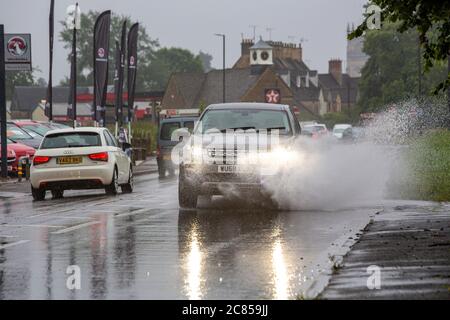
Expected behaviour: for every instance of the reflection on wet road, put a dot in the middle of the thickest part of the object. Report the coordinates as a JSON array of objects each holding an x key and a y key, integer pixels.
[{"x": 141, "y": 246}]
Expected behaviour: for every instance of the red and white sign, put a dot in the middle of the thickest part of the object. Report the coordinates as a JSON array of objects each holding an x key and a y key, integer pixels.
[
  {"x": 101, "y": 52},
  {"x": 273, "y": 96}
]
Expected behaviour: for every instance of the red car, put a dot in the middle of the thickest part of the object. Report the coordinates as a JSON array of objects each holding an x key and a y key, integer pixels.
[{"x": 15, "y": 152}]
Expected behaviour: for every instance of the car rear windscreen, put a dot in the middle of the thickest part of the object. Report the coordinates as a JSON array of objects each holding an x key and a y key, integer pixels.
[
  {"x": 71, "y": 140},
  {"x": 167, "y": 129}
]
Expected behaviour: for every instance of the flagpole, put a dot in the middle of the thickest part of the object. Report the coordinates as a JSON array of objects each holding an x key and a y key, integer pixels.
[
  {"x": 74, "y": 68},
  {"x": 50, "y": 75}
]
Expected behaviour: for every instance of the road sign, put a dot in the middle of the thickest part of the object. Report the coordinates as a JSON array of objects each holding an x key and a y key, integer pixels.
[
  {"x": 18, "y": 52},
  {"x": 272, "y": 95}
]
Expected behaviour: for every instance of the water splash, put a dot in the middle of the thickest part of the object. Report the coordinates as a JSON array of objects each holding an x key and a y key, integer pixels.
[{"x": 334, "y": 174}]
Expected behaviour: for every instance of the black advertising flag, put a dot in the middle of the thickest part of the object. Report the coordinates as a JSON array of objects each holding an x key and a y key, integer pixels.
[
  {"x": 132, "y": 67},
  {"x": 72, "y": 109},
  {"x": 119, "y": 74},
  {"x": 49, "y": 100},
  {"x": 101, "y": 52},
  {"x": 116, "y": 83}
]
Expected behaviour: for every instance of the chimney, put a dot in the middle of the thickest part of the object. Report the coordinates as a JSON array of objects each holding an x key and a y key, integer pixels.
[
  {"x": 299, "y": 52},
  {"x": 246, "y": 44},
  {"x": 335, "y": 69}
]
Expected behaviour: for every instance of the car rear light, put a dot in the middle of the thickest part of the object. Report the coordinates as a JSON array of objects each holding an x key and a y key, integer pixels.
[
  {"x": 102, "y": 156},
  {"x": 40, "y": 160}
]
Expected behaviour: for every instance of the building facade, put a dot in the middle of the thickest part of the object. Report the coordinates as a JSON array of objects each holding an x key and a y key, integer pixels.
[{"x": 266, "y": 71}]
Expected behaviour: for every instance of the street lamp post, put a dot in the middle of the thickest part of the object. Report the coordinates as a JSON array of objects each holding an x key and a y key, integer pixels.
[{"x": 223, "y": 70}]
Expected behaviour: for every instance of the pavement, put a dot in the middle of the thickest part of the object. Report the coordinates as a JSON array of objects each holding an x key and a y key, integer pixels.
[
  {"x": 143, "y": 246},
  {"x": 410, "y": 247}
]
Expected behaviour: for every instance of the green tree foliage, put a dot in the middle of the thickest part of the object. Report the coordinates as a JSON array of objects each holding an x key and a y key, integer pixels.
[
  {"x": 392, "y": 72},
  {"x": 170, "y": 60},
  {"x": 146, "y": 49},
  {"x": 206, "y": 59},
  {"x": 17, "y": 78},
  {"x": 423, "y": 16},
  {"x": 154, "y": 64}
]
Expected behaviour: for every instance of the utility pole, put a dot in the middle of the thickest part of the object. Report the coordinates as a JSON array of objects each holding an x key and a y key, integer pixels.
[
  {"x": 4, "y": 146},
  {"x": 223, "y": 68}
]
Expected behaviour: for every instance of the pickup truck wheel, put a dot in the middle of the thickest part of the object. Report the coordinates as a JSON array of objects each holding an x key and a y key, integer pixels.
[
  {"x": 113, "y": 188},
  {"x": 57, "y": 194},
  {"x": 38, "y": 194},
  {"x": 187, "y": 193},
  {"x": 128, "y": 187}
]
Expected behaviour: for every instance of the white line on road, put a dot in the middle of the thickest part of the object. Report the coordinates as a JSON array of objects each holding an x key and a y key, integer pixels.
[
  {"x": 31, "y": 226},
  {"x": 76, "y": 227},
  {"x": 13, "y": 244}
]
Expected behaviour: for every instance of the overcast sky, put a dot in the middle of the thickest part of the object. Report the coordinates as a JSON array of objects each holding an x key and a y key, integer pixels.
[{"x": 191, "y": 24}]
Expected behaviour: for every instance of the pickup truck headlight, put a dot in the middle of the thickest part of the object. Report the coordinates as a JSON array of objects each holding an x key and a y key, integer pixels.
[{"x": 193, "y": 154}]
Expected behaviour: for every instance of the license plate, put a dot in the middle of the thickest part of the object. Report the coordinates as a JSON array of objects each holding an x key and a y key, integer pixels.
[
  {"x": 9, "y": 168},
  {"x": 68, "y": 160},
  {"x": 231, "y": 169}
]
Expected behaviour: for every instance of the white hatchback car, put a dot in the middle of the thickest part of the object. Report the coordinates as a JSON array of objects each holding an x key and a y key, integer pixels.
[{"x": 81, "y": 158}]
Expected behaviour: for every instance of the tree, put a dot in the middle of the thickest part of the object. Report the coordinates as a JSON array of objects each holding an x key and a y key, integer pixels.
[
  {"x": 171, "y": 60},
  {"x": 206, "y": 59},
  {"x": 391, "y": 73},
  {"x": 155, "y": 65},
  {"x": 146, "y": 49},
  {"x": 17, "y": 78},
  {"x": 424, "y": 16}
]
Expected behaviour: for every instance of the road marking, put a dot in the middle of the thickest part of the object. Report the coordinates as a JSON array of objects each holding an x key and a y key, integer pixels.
[
  {"x": 49, "y": 213},
  {"x": 31, "y": 225},
  {"x": 13, "y": 244},
  {"x": 78, "y": 226}
]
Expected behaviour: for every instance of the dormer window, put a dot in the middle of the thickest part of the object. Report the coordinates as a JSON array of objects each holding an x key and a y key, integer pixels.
[{"x": 261, "y": 54}]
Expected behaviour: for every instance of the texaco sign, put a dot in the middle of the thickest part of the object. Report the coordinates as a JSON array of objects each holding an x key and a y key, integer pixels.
[
  {"x": 273, "y": 95},
  {"x": 18, "y": 52}
]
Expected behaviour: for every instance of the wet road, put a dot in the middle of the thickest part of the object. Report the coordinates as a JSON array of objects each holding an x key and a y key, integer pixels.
[{"x": 141, "y": 246}]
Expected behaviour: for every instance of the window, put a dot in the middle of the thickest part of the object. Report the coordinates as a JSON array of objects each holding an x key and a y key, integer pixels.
[
  {"x": 167, "y": 129},
  {"x": 14, "y": 133},
  {"x": 71, "y": 140},
  {"x": 189, "y": 125},
  {"x": 246, "y": 119},
  {"x": 110, "y": 140}
]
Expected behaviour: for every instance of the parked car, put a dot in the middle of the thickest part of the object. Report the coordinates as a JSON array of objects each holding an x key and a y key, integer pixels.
[
  {"x": 10, "y": 159},
  {"x": 215, "y": 165},
  {"x": 339, "y": 129},
  {"x": 19, "y": 151},
  {"x": 165, "y": 144},
  {"x": 315, "y": 131},
  {"x": 80, "y": 158},
  {"x": 54, "y": 125},
  {"x": 17, "y": 134}
]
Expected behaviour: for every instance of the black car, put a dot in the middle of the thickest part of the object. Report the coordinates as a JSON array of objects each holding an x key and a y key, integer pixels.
[{"x": 236, "y": 146}]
